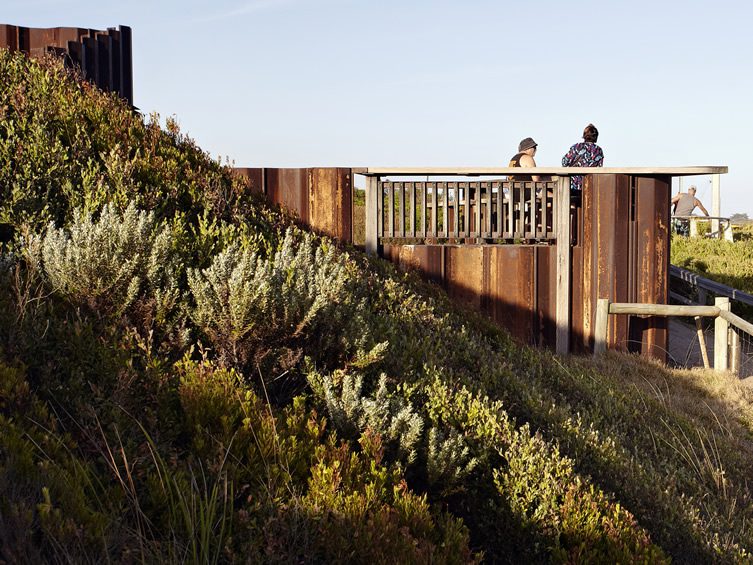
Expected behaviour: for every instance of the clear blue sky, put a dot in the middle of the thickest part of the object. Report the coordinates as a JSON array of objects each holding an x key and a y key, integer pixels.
[{"x": 442, "y": 83}]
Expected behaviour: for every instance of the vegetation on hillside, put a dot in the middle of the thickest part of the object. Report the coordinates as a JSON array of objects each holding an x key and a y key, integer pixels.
[{"x": 185, "y": 376}]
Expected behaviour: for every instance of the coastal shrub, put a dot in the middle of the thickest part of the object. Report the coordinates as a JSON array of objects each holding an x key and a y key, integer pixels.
[
  {"x": 249, "y": 305},
  {"x": 388, "y": 415},
  {"x": 105, "y": 262}
]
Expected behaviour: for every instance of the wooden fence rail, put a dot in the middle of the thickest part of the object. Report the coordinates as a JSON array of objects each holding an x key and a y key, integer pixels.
[{"x": 727, "y": 351}]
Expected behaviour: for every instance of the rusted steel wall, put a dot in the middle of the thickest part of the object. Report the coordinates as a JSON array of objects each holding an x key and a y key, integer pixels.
[
  {"x": 104, "y": 57},
  {"x": 624, "y": 257},
  {"x": 321, "y": 198},
  {"x": 621, "y": 252},
  {"x": 511, "y": 284}
]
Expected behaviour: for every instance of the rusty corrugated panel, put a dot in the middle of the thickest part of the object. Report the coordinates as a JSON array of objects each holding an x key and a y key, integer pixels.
[
  {"x": 253, "y": 177},
  {"x": 426, "y": 259},
  {"x": 652, "y": 197},
  {"x": 8, "y": 37},
  {"x": 583, "y": 268},
  {"x": 464, "y": 274},
  {"x": 510, "y": 293},
  {"x": 289, "y": 188},
  {"x": 606, "y": 260},
  {"x": 546, "y": 296},
  {"x": 330, "y": 202},
  {"x": 104, "y": 57}
]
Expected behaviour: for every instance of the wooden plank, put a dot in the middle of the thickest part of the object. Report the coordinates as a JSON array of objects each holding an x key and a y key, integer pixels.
[
  {"x": 434, "y": 208},
  {"x": 401, "y": 205},
  {"x": 424, "y": 226},
  {"x": 642, "y": 309},
  {"x": 562, "y": 225},
  {"x": 380, "y": 206},
  {"x": 702, "y": 342},
  {"x": 500, "y": 219},
  {"x": 721, "y": 330},
  {"x": 737, "y": 321},
  {"x": 445, "y": 209},
  {"x": 531, "y": 228},
  {"x": 411, "y": 186},
  {"x": 734, "y": 352},
  {"x": 390, "y": 209},
  {"x": 455, "y": 220},
  {"x": 715, "y": 202},
  {"x": 509, "y": 234},
  {"x": 601, "y": 326},
  {"x": 480, "y": 232},
  {"x": 556, "y": 171},
  {"x": 372, "y": 215}
]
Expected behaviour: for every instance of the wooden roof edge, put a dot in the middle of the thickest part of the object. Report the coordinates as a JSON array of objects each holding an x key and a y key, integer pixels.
[{"x": 490, "y": 171}]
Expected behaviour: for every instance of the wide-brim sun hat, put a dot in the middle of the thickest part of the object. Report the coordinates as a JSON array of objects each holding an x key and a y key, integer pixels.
[{"x": 527, "y": 143}]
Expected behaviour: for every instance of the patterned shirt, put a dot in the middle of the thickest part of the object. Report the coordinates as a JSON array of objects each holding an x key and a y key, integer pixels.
[{"x": 584, "y": 154}]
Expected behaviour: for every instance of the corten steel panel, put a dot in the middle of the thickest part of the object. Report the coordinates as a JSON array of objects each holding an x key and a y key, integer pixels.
[
  {"x": 8, "y": 37},
  {"x": 126, "y": 63},
  {"x": 391, "y": 253},
  {"x": 509, "y": 281},
  {"x": 253, "y": 177},
  {"x": 330, "y": 202},
  {"x": 546, "y": 295},
  {"x": 464, "y": 274},
  {"x": 652, "y": 197},
  {"x": 582, "y": 310},
  {"x": 606, "y": 261},
  {"x": 289, "y": 188},
  {"x": 426, "y": 259},
  {"x": 103, "y": 56}
]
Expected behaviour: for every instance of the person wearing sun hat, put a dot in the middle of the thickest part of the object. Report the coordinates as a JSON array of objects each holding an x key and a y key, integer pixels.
[{"x": 524, "y": 158}]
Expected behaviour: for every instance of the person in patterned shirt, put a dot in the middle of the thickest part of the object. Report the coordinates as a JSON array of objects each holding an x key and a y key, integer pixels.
[{"x": 584, "y": 154}]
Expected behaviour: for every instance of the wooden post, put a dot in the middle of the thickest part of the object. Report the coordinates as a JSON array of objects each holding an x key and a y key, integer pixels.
[
  {"x": 721, "y": 331},
  {"x": 716, "y": 207},
  {"x": 602, "y": 326},
  {"x": 693, "y": 227},
  {"x": 562, "y": 232},
  {"x": 734, "y": 349},
  {"x": 372, "y": 215},
  {"x": 728, "y": 232},
  {"x": 702, "y": 342}
]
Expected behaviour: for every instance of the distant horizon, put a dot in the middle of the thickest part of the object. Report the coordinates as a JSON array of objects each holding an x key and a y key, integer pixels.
[{"x": 445, "y": 83}]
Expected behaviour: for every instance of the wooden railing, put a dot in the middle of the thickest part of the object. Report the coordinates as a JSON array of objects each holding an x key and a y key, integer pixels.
[
  {"x": 727, "y": 327},
  {"x": 418, "y": 205},
  {"x": 722, "y": 224},
  {"x": 481, "y": 210}
]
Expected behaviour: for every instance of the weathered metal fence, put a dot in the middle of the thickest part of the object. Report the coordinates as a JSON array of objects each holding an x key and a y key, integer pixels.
[{"x": 104, "y": 57}]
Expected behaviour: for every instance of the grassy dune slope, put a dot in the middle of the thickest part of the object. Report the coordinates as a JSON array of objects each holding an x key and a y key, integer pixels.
[{"x": 184, "y": 376}]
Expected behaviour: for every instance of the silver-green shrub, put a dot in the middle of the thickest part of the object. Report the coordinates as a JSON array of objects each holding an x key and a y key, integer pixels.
[
  {"x": 389, "y": 415},
  {"x": 304, "y": 290},
  {"x": 448, "y": 458},
  {"x": 106, "y": 262}
]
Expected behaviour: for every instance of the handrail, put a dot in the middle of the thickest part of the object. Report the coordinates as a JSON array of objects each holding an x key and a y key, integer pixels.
[
  {"x": 702, "y": 218},
  {"x": 726, "y": 341},
  {"x": 558, "y": 171},
  {"x": 712, "y": 286}
]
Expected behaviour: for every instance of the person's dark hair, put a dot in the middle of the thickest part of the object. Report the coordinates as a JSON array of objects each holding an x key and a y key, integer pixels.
[{"x": 590, "y": 133}]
